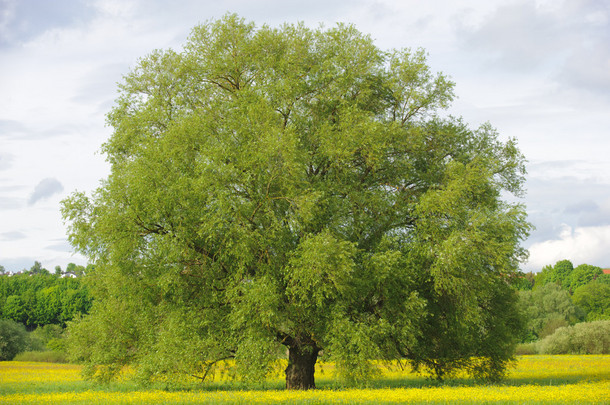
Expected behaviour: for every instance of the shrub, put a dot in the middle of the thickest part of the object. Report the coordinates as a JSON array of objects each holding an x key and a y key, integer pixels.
[
  {"x": 551, "y": 324},
  {"x": 582, "y": 338},
  {"x": 46, "y": 356},
  {"x": 13, "y": 339},
  {"x": 524, "y": 349},
  {"x": 45, "y": 337}
]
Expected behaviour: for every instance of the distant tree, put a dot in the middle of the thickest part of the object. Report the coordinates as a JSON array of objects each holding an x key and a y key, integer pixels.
[
  {"x": 74, "y": 301},
  {"x": 542, "y": 276},
  {"x": 295, "y": 190},
  {"x": 582, "y": 275},
  {"x": 48, "y": 306},
  {"x": 547, "y": 308},
  {"x": 58, "y": 271},
  {"x": 562, "y": 272},
  {"x": 44, "y": 337},
  {"x": 603, "y": 278},
  {"x": 559, "y": 274},
  {"x": 525, "y": 281},
  {"x": 13, "y": 339},
  {"x": 594, "y": 299},
  {"x": 76, "y": 269},
  {"x": 40, "y": 299},
  {"x": 14, "y": 308},
  {"x": 38, "y": 269}
]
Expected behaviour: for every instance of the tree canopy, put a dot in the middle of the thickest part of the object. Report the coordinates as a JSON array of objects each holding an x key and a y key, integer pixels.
[
  {"x": 39, "y": 298},
  {"x": 294, "y": 190},
  {"x": 594, "y": 299}
]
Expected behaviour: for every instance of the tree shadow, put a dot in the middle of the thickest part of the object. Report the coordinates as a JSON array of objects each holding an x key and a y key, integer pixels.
[{"x": 422, "y": 382}]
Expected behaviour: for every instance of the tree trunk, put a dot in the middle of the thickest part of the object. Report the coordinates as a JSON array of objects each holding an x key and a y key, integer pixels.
[{"x": 301, "y": 367}]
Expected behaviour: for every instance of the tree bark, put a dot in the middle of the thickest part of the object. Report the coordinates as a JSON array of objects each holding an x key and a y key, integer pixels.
[{"x": 301, "y": 367}]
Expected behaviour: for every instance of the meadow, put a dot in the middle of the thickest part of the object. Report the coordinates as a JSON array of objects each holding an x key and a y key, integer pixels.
[{"x": 561, "y": 379}]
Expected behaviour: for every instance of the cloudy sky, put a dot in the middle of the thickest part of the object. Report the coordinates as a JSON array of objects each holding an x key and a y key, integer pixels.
[{"x": 539, "y": 71}]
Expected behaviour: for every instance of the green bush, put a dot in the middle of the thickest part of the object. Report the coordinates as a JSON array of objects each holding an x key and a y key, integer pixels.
[
  {"x": 46, "y": 356},
  {"x": 13, "y": 339},
  {"x": 524, "y": 349},
  {"x": 46, "y": 337},
  {"x": 582, "y": 338}
]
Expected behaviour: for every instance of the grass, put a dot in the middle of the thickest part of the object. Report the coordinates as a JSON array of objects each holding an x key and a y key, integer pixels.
[{"x": 534, "y": 380}]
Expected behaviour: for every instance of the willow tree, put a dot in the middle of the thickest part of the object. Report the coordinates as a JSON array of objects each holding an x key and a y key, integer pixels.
[{"x": 294, "y": 190}]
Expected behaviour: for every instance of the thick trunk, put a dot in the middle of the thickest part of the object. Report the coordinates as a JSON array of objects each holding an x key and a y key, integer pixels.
[{"x": 301, "y": 367}]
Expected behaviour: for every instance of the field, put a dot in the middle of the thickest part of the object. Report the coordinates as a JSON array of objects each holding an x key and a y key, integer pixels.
[{"x": 534, "y": 380}]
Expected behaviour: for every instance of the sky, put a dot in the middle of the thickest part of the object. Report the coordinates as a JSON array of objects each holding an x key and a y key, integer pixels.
[{"x": 538, "y": 71}]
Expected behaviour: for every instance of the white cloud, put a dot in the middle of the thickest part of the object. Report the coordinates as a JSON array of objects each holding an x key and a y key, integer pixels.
[{"x": 589, "y": 245}]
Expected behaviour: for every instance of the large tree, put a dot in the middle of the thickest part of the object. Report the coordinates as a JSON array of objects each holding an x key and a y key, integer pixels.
[{"x": 293, "y": 190}]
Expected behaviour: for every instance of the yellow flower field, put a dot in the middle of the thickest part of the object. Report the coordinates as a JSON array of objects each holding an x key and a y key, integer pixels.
[
  {"x": 535, "y": 379},
  {"x": 31, "y": 372},
  {"x": 582, "y": 393}
]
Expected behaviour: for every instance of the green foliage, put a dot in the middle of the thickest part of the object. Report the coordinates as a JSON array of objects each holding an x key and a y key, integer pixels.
[
  {"x": 45, "y": 343},
  {"x": 108, "y": 335},
  {"x": 582, "y": 275},
  {"x": 565, "y": 275},
  {"x": 525, "y": 281},
  {"x": 13, "y": 339},
  {"x": 524, "y": 349},
  {"x": 563, "y": 295},
  {"x": 559, "y": 274},
  {"x": 42, "y": 356},
  {"x": 582, "y": 338},
  {"x": 295, "y": 187},
  {"x": 547, "y": 308},
  {"x": 38, "y": 269},
  {"x": 562, "y": 273},
  {"x": 594, "y": 299},
  {"x": 47, "y": 337},
  {"x": 39, "y": 298},
  {"x": 14, "y": 308},
  {"x": 603, "y": 278},
  {"x": 542, "y": 276}
]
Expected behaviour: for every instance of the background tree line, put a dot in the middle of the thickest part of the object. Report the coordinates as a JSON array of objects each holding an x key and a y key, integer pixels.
[
  {"x": 38, "y": 297},
  {"x": 563, "y": 295},
  {"x": 557, "y": 301},
  {"x": 559, "y": 295}
]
